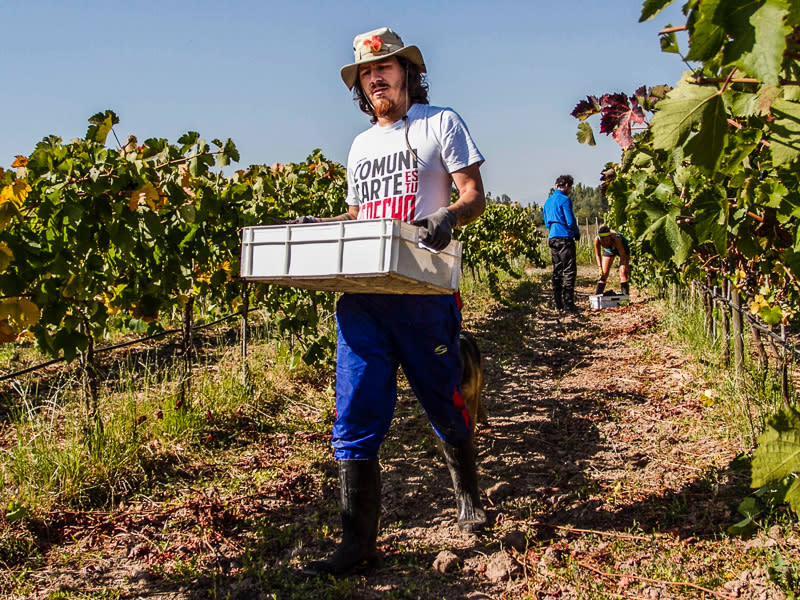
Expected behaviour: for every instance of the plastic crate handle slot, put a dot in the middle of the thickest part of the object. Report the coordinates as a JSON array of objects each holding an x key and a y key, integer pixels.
[{"x": 287, "y": 247}]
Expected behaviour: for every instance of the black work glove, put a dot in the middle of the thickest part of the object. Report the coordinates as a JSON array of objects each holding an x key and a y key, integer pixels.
[
  {"x": 436, "y": 230},
  {"x": 305, "y": 219}
]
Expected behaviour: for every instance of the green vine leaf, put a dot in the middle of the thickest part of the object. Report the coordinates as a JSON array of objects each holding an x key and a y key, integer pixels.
[
  {"x": 585, "y": 134},
  {"x": 685, "y": 107},
  {"x": 101, "y": 124},
  {"x": 784, "y": 136},
  {"x": 651, "y": 8},
  {"x": 669, "y": 43},
  {"x": 16, "y": 512},
  {"x": 711, "y": 220},
  {"x": 793, "y": 495},
  {"x": 778, "y": 453},
  {"x": 706, "y": 31},
  {"x": 771, "y": 315},
  {"x": 759, "y": 37}
]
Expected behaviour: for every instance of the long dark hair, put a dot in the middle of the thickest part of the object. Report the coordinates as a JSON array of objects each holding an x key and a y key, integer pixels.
[{"x": 417, "y": 88}]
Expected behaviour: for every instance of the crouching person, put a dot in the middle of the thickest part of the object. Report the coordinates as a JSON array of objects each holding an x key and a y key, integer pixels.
[{"x": 423, "y": 150}]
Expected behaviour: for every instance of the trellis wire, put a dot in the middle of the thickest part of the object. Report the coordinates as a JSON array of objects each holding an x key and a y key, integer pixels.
[
  {"x": 155, "y": 336},
  {"x": 758, "y": 327}
]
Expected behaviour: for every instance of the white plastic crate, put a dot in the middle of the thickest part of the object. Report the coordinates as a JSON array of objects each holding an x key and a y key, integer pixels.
[
  {"x": 601, "y": 301},
  {"x": 370, "y": 256}
]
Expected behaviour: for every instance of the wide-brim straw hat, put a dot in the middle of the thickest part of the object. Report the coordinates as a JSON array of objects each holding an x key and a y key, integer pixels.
[{"x": 376, "y": 45}]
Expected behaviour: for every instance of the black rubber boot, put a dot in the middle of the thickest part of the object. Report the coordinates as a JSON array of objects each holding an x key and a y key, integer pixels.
[
  {"x": 361, "y": 507},
  {"x": 558, "y": 297},
  {"x": 601, "y": 285},
  {"x": 569, "y": 300},
  {"x": 626, "y": 290},
  {"x": 461, "y": 463}
]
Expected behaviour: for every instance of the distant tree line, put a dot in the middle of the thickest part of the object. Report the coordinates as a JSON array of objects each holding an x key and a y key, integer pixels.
[{"x": 588, "y": 203}]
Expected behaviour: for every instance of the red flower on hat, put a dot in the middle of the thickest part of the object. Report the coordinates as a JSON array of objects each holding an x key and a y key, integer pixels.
[{"x": 374, "y": 43}]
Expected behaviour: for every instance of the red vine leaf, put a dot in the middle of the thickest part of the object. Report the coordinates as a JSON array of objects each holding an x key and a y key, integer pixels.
[
  {"x": 586, "y": 108},
  {"x": 618, "y": 114}
]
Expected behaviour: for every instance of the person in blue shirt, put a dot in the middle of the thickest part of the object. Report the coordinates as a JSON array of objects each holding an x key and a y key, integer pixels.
[{"x": 563, "y": 232}]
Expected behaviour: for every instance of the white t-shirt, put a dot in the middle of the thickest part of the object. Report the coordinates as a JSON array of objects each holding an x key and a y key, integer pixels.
[{"x": 385, "y": 180}]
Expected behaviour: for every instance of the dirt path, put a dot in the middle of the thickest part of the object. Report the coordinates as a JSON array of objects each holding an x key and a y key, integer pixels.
[
  {"x": 600, "y": 458},
  {"x": 606, "y": 476}
]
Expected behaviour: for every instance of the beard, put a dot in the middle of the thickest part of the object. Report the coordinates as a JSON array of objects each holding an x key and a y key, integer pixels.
[{"x": 383, "y": 107}]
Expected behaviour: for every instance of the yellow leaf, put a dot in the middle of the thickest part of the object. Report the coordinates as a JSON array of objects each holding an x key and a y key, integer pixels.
[
  {"x": 108, "y": 302},
  {"x": 147, "y": 194},
  {"x": 225, "y": 267},
  {"x": 15, "y": 192},
  {"x": 758, "y": 302},
  {"x": 19, "y": 313},
  {"x": 20, "y": 161},
  {"x": 6, "y": 256},
  {"x": 28, "y": 312}
]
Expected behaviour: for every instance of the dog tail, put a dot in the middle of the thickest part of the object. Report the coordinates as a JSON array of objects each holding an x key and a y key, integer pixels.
[{"x": 472, "y": 378}]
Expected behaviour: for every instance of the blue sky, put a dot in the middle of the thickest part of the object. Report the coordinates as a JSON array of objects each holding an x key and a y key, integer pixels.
[{"x": 266, "y": 74}]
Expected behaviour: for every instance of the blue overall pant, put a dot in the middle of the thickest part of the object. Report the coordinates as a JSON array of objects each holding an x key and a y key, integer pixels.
[{"x": 376, "y": 334}]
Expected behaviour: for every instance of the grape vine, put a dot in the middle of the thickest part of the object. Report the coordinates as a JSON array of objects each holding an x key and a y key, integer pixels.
[{"x": 94, "y": 237}]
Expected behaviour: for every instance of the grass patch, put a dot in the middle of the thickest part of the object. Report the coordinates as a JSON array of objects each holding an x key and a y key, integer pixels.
[
  {"x": 741, "y": 401},
  {"x": 146, "y": 433}
]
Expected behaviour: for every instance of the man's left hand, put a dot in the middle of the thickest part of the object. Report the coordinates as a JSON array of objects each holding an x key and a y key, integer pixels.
[{"x": 436, "y": 230}]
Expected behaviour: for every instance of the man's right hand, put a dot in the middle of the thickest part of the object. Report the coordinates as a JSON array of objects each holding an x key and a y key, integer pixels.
[{"x": 436, "y": 230}]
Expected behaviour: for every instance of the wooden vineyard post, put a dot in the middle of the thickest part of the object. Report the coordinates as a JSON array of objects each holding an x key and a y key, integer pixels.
[
  {"x": 784, "y": 368},
  {"x": 188, "y": 351},
  {"x": 94, "y": 422},
  {"x": 758, "y": 344},
  {"x": 708, "y": 304},
  {"x": 715, "y": 304},
  {"x": 588, "y": 233},
  {"x": 726, "y": 324},
  {"x": 244, "y": 331},
  {"x": 736, "y": 321}
]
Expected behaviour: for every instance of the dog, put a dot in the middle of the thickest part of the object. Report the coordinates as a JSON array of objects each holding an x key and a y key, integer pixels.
[{"x": 472, "y": 379}]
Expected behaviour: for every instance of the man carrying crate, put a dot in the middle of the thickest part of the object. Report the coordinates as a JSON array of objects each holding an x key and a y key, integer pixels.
[{"x": 402, "y": 167}]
